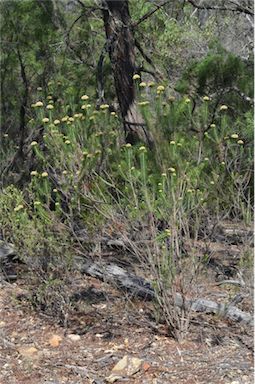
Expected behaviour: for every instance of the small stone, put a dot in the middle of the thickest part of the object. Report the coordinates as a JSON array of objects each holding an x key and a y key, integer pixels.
[
  {"x": 74, "y": 337},
  {"x": 126, "y": 367},
  {"x": 55, "y": 340}
]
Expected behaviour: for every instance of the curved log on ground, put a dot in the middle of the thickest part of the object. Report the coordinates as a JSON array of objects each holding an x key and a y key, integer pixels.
[{"x": 140, "y": 287}]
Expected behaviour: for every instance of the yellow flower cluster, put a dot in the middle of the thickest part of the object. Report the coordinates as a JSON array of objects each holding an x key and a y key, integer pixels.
[
  {"x": 37, "y": 104},
  {"x": 18, "y": 208},
  {"x": 143, "y": 103},
  {"x": 86, "y": 106},
  {"x": 104, "y": 106},
  {"x": 160, "y": 89}
]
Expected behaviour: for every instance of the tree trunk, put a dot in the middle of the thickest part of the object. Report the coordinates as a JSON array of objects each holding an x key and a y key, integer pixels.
[{"x": 121, "y": 46}]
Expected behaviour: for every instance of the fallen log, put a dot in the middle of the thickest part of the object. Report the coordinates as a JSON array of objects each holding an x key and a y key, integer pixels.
[{"x": 140, "y": 287}]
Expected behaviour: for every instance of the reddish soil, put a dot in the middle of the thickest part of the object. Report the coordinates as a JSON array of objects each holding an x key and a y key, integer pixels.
[{"x": 112, "y": 326}]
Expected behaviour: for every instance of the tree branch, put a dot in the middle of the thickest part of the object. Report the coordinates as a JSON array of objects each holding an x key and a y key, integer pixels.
[
  {"x": 150, "y": 13},
  {"x": 237, "y": 8},
  {"x": 23, "y": 104},
  {"x": 156, "y": 74}
]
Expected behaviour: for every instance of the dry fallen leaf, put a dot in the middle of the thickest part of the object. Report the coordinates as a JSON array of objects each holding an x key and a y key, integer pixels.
[
  {"x": 28, "y": 351},
  {"x": 55, "y": 340},
  {"x": 146, "y": 366}
]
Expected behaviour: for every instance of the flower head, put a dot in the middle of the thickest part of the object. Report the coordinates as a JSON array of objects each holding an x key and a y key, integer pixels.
[
  {"x": 45, "y": 120},
  {"x": 172, "y": 142},
  {"x": 171, "y": 169},
  {"x": 18, "y": 208},
  {"x": 234, "y": 136},
  {"x": 240, "y": 142},
  {"x": 151, "y": 84},
  {"x": 45, "y": 174},
  {"x": 223, "y": 107},
  {"x": 142, "y": 84},
  {"x": 160, "y": 88},
  {"x": 187, "y": 100},
  {"x": 142, "y": 148},
  {"x": 104, "y": 106},
  {"x": 143, "y": 103},
  {"x": 213, "y": 126},
  {"x": 136, "y": 76},
  {"x": 206, "y": 98},
  {"x": 56, "y": 122},
  {"x": 34, "y": 173},
  {"x": 128, "y": 145},
  {"x": 34, "y": 143},
  {"x": 39, "y": 104},
  {"x": 84, "y": 97},
  {"x": 49, "y": 106}
]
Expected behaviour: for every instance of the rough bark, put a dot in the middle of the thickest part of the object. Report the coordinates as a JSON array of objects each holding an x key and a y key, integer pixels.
[
  {"x": 121, "y": 48},
  {"x": 138, "y": 286}
]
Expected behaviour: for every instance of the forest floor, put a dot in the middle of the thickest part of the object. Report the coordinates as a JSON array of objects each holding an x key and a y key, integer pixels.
[{"x": 106, "y": 326}]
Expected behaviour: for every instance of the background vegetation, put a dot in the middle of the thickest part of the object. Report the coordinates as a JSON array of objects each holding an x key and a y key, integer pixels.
[{"x": 67, "y": 174}]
